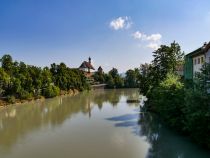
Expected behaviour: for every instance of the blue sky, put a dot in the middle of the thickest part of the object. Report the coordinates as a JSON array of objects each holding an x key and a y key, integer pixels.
[{"x": 115, "y": 33}]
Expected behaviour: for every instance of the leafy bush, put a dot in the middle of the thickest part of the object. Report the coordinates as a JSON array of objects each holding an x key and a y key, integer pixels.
[
  {"x": 168, "y": 100},
  {"x": 11, "y": 99},
  {"x": 51, "y": 91},
  {"x": 184, "y": 109},
  {"x": 197, "y": 114},
  {"x": 25, "y": 94}
]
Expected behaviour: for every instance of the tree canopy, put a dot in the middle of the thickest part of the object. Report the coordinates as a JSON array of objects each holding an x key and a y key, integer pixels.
[{"x": 23, "y": 81}]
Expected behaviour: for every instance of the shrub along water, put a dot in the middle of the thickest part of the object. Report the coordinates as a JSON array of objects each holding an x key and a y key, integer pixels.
[
  {"x": 182, "y": 105},
  {"x": 185, "y": 110},
  {"x": 167, "y": 99},
  {"x": 24, "y": 82}
]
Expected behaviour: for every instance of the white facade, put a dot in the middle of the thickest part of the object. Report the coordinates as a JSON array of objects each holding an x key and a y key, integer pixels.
[
  {"x": 208, "y": 56},
  {"x": 198, "y": 61}
]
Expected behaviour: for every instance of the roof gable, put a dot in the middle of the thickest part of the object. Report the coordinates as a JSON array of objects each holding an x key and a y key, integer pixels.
[
  {"x": 200, "y": 51},
  {"x": 86, "y": 64}
]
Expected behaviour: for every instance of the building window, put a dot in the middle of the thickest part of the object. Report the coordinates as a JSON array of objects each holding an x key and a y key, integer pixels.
[
  {"x": 196, "y": 61},
  {"x": 202, "y": 60},
  {"x": 199, "y": 61}
]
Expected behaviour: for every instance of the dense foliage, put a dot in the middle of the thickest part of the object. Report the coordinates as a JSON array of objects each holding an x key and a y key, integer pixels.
[
  {"x": 167, "y": 100},
  {"x": 21, "y": 81},
  {"x": 114, "y": 80},
  {"x": 197, "y": 107},
  {"x": 132, "y": 78},
  {"x": 25, "y": 82},
  {"x": 166, "y": 58},
  {"x": 181, "y": 105}
]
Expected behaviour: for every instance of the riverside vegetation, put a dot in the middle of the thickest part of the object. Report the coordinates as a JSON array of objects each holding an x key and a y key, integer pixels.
[
  {"x": 19, "y": 81},
  {"x": 182, "y": 105}
]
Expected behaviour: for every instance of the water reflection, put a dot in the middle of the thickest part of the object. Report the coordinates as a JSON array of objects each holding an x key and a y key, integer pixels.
[
  {"x": 93, "y": 122},
  {"x": 17, "y": 121},
  {"x": 166, "y": 143}
]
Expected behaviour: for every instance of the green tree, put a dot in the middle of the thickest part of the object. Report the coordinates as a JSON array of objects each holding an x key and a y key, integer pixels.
[
  {"x": 109, "y": 81},
  {"x": 51, "y": 91},
  {"x": 197, "y": 107},
  {"x": 166, "y": 58},
  {"x": 145, "y": 78},
  {"x": 131, "y": 79},
  {"x": 22, "y": 81},
  {"x": 118, "y": 81},
  {"x": 167, "y": 99},
  {"x": 114, "y": 72},
  {"x": 99, "y": 77},
  {"x": 4, "y": 81},
  {"x": 7, "y": 63}
]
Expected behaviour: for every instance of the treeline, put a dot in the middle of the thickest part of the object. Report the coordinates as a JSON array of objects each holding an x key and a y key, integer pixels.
[
  {"x": 114, "y": 80},
  {"x": 21, "y": 81},
  {"x": 182, "y": 105}
]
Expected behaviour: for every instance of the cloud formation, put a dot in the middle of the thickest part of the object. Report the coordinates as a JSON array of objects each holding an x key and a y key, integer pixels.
[
  {"x": 142, "y": 36},
  {"x": 121, "y": 23},
  {"x": 137, "y": 35},
  {"x": 153, "y": 46},
  {"x": 153, "y": 40},
  {"x": 154, "y": 37}
]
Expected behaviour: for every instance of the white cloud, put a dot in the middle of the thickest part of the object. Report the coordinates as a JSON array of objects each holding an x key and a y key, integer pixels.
[
  {"x": 142, "y": 36},
  {"x": 154, "y": 46},
  {"x": 121, "y": 23},
  {"x": 137, "y": 35},
  {"x": 154, "y": 37},
  {"x": 152, "y": 41}
]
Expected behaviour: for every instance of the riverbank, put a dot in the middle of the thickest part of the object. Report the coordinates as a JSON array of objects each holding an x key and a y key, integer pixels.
[
  {"x": 183, "y": 109},
  {"x": 4, "y": 102}
]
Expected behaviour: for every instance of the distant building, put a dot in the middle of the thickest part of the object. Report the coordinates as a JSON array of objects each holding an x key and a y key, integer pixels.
[
  {"x": 195, "y": 60},
  {"x": 86, "y": 67}
]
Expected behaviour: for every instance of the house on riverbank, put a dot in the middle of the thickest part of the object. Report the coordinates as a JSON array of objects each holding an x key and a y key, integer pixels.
[
  {"x": 87, "y": 68},
  {"x": 195, "y": 60}
]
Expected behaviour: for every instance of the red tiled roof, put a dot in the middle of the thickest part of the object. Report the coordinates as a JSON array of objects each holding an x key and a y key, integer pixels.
[{"x": 86, "y": 64}]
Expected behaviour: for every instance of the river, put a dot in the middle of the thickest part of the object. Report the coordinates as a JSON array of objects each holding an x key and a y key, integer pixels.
[{"x": 96, "y": 124}]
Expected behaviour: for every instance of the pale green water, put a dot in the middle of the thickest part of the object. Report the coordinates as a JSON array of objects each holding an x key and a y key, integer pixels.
[{"x": 99, "y": 124}]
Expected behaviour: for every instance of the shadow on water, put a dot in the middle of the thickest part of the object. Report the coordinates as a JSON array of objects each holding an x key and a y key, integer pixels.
[
  {"x": 128, "y": 120},
  {"x": 124, "y": 117},
  {"x": 164, "y": 142}
]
